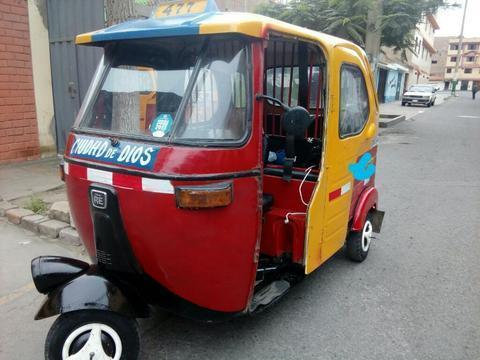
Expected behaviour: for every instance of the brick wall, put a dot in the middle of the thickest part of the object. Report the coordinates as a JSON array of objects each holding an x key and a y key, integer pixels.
[{"x": 18, "y": 123}]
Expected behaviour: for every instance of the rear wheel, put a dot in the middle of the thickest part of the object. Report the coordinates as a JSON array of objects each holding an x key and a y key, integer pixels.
[
  {"x": 358, "y": 242},
  {"x": 403, "y": 104},
  {"x": 93, "y": 334}
]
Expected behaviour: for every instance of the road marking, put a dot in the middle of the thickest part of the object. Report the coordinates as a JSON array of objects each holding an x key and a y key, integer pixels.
[
  {"x": 469, "y": 116},
  {"x": 17, "y": 293}
]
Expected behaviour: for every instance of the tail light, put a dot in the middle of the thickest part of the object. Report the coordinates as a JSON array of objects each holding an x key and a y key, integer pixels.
[{"x": 202, "y": 197}]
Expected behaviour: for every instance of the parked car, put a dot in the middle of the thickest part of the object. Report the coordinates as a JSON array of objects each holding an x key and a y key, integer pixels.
[{"x": 420, "y": 94}]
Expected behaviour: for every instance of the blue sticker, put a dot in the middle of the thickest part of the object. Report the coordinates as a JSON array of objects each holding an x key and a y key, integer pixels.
[
  {"x": 362, "y": 170},
  {"x": 161, "y": 125},
  {"x": 127, "y": 153}
]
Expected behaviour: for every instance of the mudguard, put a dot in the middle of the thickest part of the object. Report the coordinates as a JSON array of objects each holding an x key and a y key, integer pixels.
[
  {"x": 91, "y": 290},
  {"x": 368, "y": 200}
]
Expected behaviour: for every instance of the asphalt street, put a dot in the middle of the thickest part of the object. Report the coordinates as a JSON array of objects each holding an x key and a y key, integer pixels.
[{"x": 417, "y": 296}]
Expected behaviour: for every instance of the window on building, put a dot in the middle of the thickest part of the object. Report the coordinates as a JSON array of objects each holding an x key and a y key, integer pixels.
[
  {"x": 467, "y": 71},
  {"x": 449, "y": 70},
  {"x": 470, "y": 58},
  {"x": 453, "y": 59},
  {"x": 472, "y": 46},
  {"x": 354, "y": 107},
  {"x": 453, "y": 46},
  {"x": 434, "y": 61}
]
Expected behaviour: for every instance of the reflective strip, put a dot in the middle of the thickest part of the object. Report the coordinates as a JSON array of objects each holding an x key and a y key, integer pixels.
[
  {"x": 345, "y": 189},
  {"x": 157, "y": 186},
  {"x": 66, "y": 168},
  {"x": 100, "y": 176},
  {"x": 339, "y": 192}
]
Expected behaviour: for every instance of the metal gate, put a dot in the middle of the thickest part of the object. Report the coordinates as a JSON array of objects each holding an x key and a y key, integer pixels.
[{"x": 72, "y": 67}]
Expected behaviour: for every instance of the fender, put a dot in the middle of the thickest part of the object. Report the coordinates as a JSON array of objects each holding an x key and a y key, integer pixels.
[
  {"x": 91, "y": 290},
  {"x": 368, "y": 199}
]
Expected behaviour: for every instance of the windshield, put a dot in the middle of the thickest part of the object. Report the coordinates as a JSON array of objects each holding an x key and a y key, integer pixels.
[
  {"x": 184, "y": 89},
  {"x": 420, "y": 88}
]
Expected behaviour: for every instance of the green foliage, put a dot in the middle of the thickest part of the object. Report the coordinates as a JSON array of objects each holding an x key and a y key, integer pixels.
[
  {"x": 348, "y": 18},
  {"x": 37, "y": 205}
]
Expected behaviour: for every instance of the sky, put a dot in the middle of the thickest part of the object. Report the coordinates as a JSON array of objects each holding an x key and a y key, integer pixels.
[{"x": 450, "y": 20}]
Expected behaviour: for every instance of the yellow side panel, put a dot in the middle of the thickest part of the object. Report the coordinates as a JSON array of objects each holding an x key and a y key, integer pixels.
[
  {"x": 251, "y": 28},
  {"x": 328, "y": 218},
  {"x": 316, "y": 214}
]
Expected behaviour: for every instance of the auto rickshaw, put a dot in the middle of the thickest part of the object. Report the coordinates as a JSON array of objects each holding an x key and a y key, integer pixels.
[{"x": 217, "y": 160}]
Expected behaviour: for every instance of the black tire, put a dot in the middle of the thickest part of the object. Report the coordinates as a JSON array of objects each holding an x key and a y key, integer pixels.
[
  {"x": 403, "y": 104},
  {"x": 433, "y": 102},
  {"x": 67, "y": 324},
  {"x": 429, "y": 104},
  {"x": 355, "y": 247}
]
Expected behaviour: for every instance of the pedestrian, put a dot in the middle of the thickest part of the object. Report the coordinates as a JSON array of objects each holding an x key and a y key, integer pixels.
[{"x": 474, "y": 90}]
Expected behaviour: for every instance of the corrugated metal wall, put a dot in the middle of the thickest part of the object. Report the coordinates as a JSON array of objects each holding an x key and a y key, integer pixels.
[{"x": 72, "y": 66}]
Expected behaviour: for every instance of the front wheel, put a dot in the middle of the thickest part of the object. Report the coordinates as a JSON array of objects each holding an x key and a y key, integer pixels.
[
  {"x": 93, "y": 334},
  {"x": 358, "y": 242}
]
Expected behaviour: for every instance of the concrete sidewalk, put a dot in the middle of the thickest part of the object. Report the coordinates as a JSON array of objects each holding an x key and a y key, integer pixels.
[
  {"x": 34, "y": 198},
  {"x": 396, "y": 108},
  {"x": 27, "y": 178}
]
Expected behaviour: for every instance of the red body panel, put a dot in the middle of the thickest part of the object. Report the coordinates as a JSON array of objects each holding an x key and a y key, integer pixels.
[
  {"x": 359, "y": 189},
  {"x": 366, "y": 202},
  {"x": 208, "y": 256},
  {"x": 278, "y": 237},
  {"x": 286, "y": 194}
]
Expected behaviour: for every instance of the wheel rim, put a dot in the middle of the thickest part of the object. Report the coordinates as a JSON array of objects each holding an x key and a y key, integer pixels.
[
  {"x": 367, "y": 235},
  {"x": 94, "y": 347}
]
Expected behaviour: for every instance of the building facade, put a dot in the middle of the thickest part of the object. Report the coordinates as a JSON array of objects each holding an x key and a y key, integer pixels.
[
  {"x": 439, "y": 59},
  {"x": 468, "y": 63},
  {"x": 391, "y": 75},
  {"x": 399, "y": 70},
  {"x": 419, "y": 61}
]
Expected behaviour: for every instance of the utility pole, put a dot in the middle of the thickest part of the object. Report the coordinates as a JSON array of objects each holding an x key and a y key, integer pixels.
[
  {"x": 373, "y": 34},
  {"x": 459, "y": 50}
]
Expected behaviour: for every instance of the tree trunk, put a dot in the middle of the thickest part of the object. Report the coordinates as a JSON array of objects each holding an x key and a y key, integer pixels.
[
  {"x": 125, "y": 106},
  {"x": 119, "y": 10},
  {"x": 373, "y": 34}
]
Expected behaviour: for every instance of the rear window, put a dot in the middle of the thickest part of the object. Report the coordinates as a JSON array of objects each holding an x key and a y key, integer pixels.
[{"x": 184, "y": 90}]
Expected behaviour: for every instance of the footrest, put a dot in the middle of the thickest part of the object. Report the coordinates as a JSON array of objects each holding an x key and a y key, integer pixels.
[{"x": 269, "y": 294}]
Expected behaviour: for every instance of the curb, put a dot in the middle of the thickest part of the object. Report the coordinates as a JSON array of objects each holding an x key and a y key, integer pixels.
[
  {"x": 390, "y": 120},
  {"x": 48, "y": 226}
]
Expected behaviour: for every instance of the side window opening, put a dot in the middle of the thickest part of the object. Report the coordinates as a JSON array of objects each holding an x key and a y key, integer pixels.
[
  {"x": 354, "y": 105},
  {"x": 294, "y": 74}
]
